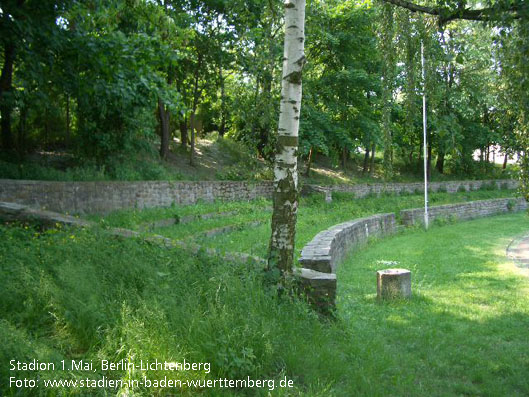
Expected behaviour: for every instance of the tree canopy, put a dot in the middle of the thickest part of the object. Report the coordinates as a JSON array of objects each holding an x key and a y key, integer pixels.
[{"x": 107, "y": 79}]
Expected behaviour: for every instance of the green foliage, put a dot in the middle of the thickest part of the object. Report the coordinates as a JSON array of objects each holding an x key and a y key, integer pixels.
[
  {"x": 511, "y": 204},
  {"x": 342, "y": 75},
  {"x": 447, "y": 220},
  {"x": 488, "y": 186},
  {"x": 94, "y": 79}
]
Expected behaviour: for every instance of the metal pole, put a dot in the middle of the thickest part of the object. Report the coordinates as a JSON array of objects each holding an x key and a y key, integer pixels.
[{"x": 425, "y": 154}]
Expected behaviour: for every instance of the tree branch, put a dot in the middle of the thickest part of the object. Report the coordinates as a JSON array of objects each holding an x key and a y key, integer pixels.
[{"x": 445, "y": 15}]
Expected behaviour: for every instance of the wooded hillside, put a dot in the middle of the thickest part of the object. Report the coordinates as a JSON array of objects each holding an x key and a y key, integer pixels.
[{"x": 108, "y": 80}]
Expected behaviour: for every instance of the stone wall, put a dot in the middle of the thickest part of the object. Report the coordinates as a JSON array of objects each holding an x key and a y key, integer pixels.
[
  {"x": 320, "y": 257},
  {"x": 363, "y": 190},
  {"x": 328, "y": 247},
  {"x": 103, "y": 197},
  {"x": 463, "y": 211}
]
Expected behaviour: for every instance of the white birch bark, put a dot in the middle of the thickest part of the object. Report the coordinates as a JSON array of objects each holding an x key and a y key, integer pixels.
[{"x": 285, "y": 195}]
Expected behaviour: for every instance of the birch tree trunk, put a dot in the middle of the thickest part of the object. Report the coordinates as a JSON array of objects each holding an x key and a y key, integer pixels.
[{"x": 285, "y": 194}]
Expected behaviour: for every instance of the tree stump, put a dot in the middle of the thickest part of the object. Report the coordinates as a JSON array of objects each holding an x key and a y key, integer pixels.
[{"x": 393, "y": 283}]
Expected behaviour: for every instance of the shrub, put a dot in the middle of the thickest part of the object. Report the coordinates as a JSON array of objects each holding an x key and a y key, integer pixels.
[
  {"x": 445, "y": 220},
  {"x": 487, "y": 186}
]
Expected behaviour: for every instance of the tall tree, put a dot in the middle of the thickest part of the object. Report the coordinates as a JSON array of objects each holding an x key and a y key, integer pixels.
[{"x": 285, "y": 196}]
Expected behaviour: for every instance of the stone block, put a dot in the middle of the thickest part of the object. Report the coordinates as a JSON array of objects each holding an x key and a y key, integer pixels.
[
  {"x": 319, "y": 288},
  {"x": 393, "y": 284}
]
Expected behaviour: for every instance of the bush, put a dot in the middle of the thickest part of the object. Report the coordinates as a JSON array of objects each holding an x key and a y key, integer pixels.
[
  {"x": 511, "y": 204},
  {"x": 487, "y": 186},
  {"x": 445, "y": 220},
  {"x": 136, "y": 168}
]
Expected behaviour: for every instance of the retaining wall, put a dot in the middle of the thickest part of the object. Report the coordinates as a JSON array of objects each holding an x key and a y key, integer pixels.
[
  {"x": 103, "y": 197},
  {"x": 320, "y": 257},
  {"x": 364, "y": 190},
  {"x": 328, "y": 247},
  {"x": 463, "y": 211}
]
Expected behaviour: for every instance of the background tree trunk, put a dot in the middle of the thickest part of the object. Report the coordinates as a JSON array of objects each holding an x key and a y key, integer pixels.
[
  {"x": 309, "y": 163},
  {"x": 165, "y": 133},
  {"x": 440, "y": 164},
  {"x": 22, "y": 131},
  {"x": 6, "y": 86},
  {"x": 183, "y": 133},
  {"x": 372, "y": 165},
  {"x": 67, "y": 120},
  {"x": 388, "y": 73},
  {"x": 192, "y": 146},
  {"x": 222, "y": 127},
  {"x": 429, "y": 161},
  {"x": 366, "y": 161},
  {"x": 196, "y": 95},
  {"x": 285, "y": 196}
]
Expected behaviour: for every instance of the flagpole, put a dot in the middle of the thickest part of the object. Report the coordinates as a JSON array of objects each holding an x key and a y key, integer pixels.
[{"x": 425, "y": 155}]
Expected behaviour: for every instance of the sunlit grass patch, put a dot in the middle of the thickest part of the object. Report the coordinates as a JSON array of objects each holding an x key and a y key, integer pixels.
[{"x": 464, "y": 329}]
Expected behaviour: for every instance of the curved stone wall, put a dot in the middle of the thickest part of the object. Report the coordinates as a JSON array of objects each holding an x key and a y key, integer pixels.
[
  {"x": 329, "y": 247},
  {"x": 320, "y": 257}
]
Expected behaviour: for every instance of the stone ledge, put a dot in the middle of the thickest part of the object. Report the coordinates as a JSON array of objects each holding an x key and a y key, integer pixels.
[
  {"x": 329, "y": 247},
  {"x": 18, "y": 212},
  {"x": 464, "y": 211},
  {"x": 320, "y": 288}
]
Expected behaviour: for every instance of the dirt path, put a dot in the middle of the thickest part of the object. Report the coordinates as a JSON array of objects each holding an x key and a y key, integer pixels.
[{"x": 518, "y": 251}]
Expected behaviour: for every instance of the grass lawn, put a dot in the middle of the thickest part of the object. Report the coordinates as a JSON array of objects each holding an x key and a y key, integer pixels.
[
  {"x": 83, "y": 294},
  {"x": 465, "y": 330}
]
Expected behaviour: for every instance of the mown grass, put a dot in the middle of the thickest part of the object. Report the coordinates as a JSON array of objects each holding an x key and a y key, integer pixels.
[
  {"x": 465, "y": 330},
  {"x": 72, "y": 294}
]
